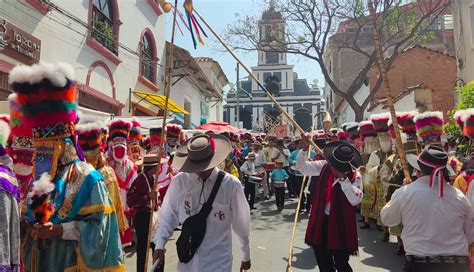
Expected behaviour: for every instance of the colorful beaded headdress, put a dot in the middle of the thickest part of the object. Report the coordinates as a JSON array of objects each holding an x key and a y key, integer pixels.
[
  {"x": 380, "y": 122},
  {"x": 353, "y": 129},
  {"x": 406, "y": 122},
  {"x": 47, "y": 99},
  {"x": 467, "y": 118},
  {"x": 135, "y": 135},
  {"x": 429, "y": 126}
]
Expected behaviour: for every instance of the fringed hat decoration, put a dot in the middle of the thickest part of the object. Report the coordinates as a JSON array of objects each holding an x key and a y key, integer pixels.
[
  {"x": 380, "y": 122},
  {"x": 47, "y": 95},
  {"x": 39, "y": 199},
  {"x": 406, "y": 122},
  {"x": 366, "y": 129},
  {"x": 155, "y": 136},
  {"x": 429, "y": 126}
]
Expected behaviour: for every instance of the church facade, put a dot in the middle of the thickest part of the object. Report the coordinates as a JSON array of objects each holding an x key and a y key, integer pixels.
[{"x": 299, "y": 99}]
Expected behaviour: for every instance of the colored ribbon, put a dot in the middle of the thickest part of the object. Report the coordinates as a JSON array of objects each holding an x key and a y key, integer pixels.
[{"x": 437, "y": 173}]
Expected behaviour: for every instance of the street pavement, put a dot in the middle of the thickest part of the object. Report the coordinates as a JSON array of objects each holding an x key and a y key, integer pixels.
[{"x": 270, "y": 239}]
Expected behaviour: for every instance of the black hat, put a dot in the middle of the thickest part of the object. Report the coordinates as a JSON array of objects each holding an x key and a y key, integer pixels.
[
  {"x": 342, "y": 156},
  {"x": 431, "y": 158}
]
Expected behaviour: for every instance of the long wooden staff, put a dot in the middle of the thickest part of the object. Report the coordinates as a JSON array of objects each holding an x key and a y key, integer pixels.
[
  {"x": 386, "y": 84},
  {"x": 269, "y": 95},
  {"x": 169, "y": 73}
]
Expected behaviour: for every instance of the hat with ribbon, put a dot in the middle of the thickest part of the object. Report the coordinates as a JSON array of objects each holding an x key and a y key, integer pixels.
[
  {"x": 342, "y": 156},
  {"x": 201, "y": 153},
  {"x": 432, "y": 160}
]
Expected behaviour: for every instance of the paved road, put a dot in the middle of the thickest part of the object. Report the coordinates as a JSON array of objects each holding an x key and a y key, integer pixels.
[{"x": 270, "y": 245}]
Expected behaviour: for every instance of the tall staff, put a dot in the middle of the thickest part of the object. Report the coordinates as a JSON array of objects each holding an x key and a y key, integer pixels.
[
  {"x": 386, "y": 83},
  {"x": 169, "y": 73},
  {"x": 275, "y": 102}
]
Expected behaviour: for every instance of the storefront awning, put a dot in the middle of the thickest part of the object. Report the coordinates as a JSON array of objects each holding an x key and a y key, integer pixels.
[{"x": 159, "y": 101}]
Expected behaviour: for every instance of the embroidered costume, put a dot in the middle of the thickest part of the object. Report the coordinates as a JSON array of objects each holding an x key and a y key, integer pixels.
[
  {"x": 9, "y": 209},
  {"x": 80, "y": 199}
]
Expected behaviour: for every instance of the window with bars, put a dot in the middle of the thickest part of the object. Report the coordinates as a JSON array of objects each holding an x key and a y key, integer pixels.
[
  {"x": 147, "y": 58},
  {"x": 103, "y": 25}
]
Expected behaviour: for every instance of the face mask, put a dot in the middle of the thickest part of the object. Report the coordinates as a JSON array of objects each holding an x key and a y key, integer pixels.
[{"x": 119, "y": 152}]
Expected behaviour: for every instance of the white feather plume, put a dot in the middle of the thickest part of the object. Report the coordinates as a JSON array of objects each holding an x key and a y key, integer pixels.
[
  {"x": 57, "y": 74},
  {"x": 350, "y": 125},
  {"x": 85, "y": 127},
  {"x": 380, "y": 116},
  {"x": 466, "y": 114},
  {"x": 42, "y": 186},
  {"x": 428, "y": 114},
  {"x": 364, "y": 123}
]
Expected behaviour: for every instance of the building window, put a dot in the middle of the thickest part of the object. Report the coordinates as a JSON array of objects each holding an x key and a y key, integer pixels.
[
  {"x": 272, "y": 57},
  {"x": 148, "y": 57},
  {"x": 103, "y": 28},
  {"x": 266, "y": 76}
]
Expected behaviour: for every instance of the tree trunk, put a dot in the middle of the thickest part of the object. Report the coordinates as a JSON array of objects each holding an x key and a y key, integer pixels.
[
  {"x": 386, "y": 84},
  {"x": 359, "y": 114}
]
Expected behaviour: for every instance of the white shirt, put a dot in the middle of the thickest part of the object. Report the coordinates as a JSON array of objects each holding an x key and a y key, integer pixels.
[
  {"x": 259, "y": 159},
  {"x": 284, "y": 156},
  {"x": 352, "y": 190},
  {"x": 470, "y": 195},
  {"x": 248, "y": 168},
  {"x": 432, "y": 226},
  {"x": 229, "y": 210}
]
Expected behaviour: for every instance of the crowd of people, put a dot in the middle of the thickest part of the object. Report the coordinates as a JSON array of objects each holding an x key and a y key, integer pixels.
[{"x": 74, "y": 192}]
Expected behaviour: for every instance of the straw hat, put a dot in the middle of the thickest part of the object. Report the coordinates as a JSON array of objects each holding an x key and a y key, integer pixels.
[
  {"x": 150, "y": 160},
  {"x": 201, "y": 153}
]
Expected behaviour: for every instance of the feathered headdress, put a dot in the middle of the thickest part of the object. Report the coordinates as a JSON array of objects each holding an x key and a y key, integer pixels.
[
  {"x": 380, "y": 122},
  {"x": 155, "y": 136},
  {"x": 458, "y": 117},
  {"x": 173, "y": 131},
  {"x": 429, "y": 126},
  {"x": 406, "y": 122},
  {"x": 119, "y": 129},
  {"x": 90, "y": 136},
  {"x": 47, "y": 96},
  {"x": 366, "y": 129},
  {"x": 467, "y": 117},
  {"x": 353, "y": 129},
  {"x": 135, "y": 135},
  {"x": 39, "y": 200}
]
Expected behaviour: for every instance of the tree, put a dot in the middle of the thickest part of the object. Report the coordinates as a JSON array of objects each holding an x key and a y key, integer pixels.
[
  {"x": 466, "y": 101},
  {"x": 314, "y": 28}
]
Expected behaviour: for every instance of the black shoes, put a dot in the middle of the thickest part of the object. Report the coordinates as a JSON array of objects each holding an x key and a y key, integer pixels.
[
  {"x": 386, "y": 237},
  {"x": 365, "y": 226},
  {"x": 401, "y": 251}
]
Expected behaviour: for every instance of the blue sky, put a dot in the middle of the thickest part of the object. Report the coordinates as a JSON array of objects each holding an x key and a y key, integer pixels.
[{"x": 219, "y": 14}]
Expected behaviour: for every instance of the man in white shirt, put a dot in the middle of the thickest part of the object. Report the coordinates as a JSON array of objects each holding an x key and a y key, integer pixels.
[
  {"x": 436, "y": 217},
  {"x": 260, "y": 160},
  {"x": 197, "y": 160},
  {"x": 332, "y": 229},
  {"x": 250, "y": 178}
]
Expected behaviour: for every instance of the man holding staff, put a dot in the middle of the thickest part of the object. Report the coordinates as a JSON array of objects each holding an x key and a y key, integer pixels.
[{"x": 332, "y": 230}]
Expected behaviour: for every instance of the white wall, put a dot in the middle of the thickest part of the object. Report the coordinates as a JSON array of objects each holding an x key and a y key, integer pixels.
[
  {"x": 186, "y": 90},
  {"x": 407, "y": 103},
  {"x": 347, "y": 114},
  {"x": 63, "y": 39}
]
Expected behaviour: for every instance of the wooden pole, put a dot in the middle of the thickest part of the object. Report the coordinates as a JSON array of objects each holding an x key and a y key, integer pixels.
[
  {"x": 269, "y": 95},
  {"x": 386, "y": 84},
  {"x": 169, "y": 73}
]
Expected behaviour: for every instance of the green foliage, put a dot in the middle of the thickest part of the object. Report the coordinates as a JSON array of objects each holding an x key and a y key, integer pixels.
[
  {"x": 104, "y": 34},
  {"x": 466, "y": 101}
]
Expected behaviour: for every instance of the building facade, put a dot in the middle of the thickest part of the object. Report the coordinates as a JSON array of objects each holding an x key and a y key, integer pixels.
[
  {"x": 295, "y": 95},
  {"x": 338, "y": 55},
  {"x": 114, "y": 47},
  {"x": 197, "y": 85},
  {"x": 464, "y": 38}
]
